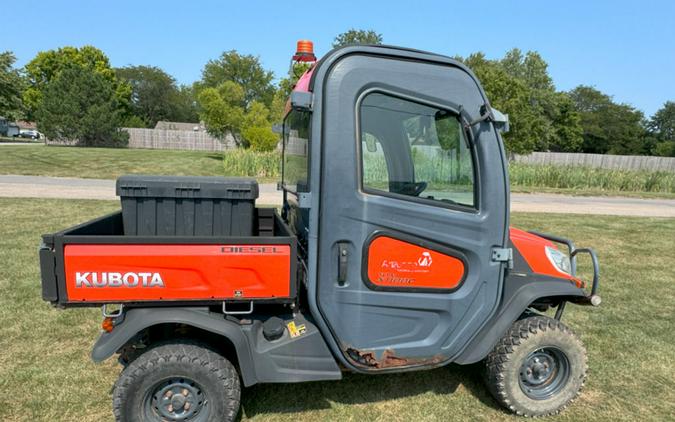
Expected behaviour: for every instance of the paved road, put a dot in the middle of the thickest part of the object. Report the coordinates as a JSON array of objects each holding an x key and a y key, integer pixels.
[{"x": 61, "y": 187}]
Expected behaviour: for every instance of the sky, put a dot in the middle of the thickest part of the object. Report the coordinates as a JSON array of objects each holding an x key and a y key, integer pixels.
[{"x": 625, "y": 49}]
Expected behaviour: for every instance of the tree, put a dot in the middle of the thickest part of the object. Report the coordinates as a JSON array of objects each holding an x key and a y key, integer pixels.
[
  {"x": 662, "y": 123},
  {"x": 608, "y": 128},
  {"x": 186, "y": 105},
  {"x": 664, "y": 149},
  {"x": 48, "y": 65},
  {"x": 556, "y": 122},
  {"x": 245, "y": 71},
  {"x": 661, "y": 128},
  {"x": 519, "y": 85},
  {"x": 357, "y": 36},
  {"x": 567, "y": 132},
  {"x": 221, "y": 108},
  {"x": 257, "y": 129},
  {"x": 11, "y": 87},
  {"x": 531, "y": 68},
  {"x": 154, "y": 94},
  {"x": 223, "y": 114},
  {"x": 509, "y": 95},
  {"x": 81, "y": 104}
]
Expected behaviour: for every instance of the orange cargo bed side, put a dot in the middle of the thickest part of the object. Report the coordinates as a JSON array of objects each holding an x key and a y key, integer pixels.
[
  {"x": 95, "y": 263},
  {"x": 156, "y": 272}
]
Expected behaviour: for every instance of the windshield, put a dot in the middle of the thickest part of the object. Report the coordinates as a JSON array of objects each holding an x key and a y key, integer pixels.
[{"x": 295, "y": 170}]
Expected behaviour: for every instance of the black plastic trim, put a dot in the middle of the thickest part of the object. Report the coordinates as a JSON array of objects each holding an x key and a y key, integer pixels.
[
  {"x": 138, "y": 319},
  {"x": 573, "y": 252},
  {"x": 519, "y": 293},
  {"x": 596, "y": 267},
  {"x": 50, "y": 291}
]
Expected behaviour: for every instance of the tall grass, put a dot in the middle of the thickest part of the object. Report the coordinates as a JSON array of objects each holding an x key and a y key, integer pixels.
[
  {"x": 590, "y": 178},
  {"x": 245, "y": 162},
  {"x": 267, "y": 165},
  {"x": 433, "y": 167}
]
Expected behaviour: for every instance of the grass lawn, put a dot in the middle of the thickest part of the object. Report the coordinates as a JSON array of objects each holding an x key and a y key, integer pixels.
[
  {"x": 46, "y": 373},
  {"x": 105, "y": 163}
]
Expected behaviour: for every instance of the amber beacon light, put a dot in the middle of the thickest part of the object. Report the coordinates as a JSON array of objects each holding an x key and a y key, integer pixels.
[{"x": 304, "y": 52}]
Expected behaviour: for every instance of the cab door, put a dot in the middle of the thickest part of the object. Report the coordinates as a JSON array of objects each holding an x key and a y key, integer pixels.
[{"x": 412, "y": 204}]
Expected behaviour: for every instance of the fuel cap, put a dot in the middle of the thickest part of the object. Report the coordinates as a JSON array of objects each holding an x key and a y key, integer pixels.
[{"x": 273, "y": 328}]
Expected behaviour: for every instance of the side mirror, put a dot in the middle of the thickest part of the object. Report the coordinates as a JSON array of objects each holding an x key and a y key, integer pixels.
[{"x": 500, "y": 120}]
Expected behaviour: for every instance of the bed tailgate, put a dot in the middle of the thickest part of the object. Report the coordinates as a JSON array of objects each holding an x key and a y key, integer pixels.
[{"x": 183, "y": 272}]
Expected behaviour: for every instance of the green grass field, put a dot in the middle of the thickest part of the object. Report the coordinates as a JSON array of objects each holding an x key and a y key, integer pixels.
[
  {"x": 46, "y": 373},
  {"x": 105, "y": 163}
]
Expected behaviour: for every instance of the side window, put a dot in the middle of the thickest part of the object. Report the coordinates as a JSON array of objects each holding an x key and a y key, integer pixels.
[{"x": 415, "y": 150}]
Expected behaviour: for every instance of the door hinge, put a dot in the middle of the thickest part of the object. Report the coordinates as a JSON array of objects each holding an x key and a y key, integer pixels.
[
  {"x": 503, "y": 255},
  {"x": 304, "y": 199},
  {"x": 301, "y": 100}
]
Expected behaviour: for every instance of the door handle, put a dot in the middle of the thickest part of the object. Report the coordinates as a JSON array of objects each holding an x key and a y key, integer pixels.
[{"x": 343, "y": 255}]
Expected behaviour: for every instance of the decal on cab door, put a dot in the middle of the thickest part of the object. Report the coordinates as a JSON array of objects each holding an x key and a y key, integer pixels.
[{"x": 394, "y": 264}]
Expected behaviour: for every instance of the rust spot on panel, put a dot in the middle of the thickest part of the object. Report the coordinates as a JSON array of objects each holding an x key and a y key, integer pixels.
[{"x": 388, "y": 359}]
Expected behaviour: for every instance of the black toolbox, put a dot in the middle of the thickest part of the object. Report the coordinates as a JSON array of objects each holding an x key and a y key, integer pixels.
[{"x": 187, "y": 205}]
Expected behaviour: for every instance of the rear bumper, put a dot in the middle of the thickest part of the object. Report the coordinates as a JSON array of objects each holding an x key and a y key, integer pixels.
[{"x": 592, "y": 297}]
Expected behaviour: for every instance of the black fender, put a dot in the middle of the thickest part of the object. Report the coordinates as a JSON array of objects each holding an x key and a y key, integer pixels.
[
  {"x": 138, "y": 319},
  {"x": 520, "y": 290}
]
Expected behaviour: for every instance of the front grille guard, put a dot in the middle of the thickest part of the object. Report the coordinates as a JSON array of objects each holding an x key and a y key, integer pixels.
[{"x": 592, "y": 298}]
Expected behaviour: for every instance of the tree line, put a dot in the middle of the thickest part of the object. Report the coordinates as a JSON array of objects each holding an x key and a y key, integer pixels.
[{"x": 75, "y": 94}]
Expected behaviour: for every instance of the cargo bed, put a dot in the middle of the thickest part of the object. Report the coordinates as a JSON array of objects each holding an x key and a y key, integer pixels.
[{"x": 95, "y": 263}]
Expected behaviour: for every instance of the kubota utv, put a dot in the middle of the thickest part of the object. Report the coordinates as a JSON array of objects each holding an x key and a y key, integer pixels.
[{"x": 392, "y": 252}]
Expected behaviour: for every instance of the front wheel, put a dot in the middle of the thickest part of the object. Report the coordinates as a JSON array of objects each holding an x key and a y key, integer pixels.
[
  {"x": 177, "y": 382},
  {"x": 537, "y": 368}
]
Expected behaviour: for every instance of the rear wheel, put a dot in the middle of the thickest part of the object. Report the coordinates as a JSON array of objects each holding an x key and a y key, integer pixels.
[
  {"x": 537, "y": 368},
  {"x": 177, "y": 382}
]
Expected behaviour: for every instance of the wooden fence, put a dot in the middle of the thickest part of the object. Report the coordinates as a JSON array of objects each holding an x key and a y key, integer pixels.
[
  {"x": 623, "y": 162},
  {"x": 177, "y": 139}
]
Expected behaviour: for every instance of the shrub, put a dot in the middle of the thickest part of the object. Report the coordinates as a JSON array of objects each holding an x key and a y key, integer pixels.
[{"x": 260, "y": 138}]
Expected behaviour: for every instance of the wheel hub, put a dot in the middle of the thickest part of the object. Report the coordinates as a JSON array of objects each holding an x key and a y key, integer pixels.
[
  {"x": 544, "y": 372},
  {"x": 177, "y": 399}
]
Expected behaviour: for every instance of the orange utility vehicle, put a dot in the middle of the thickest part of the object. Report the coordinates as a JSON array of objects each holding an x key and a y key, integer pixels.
[{"x": 391, "y": 252}]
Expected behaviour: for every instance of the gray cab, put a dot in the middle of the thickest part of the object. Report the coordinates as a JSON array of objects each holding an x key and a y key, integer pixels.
[{"x": 388, "y": 159}]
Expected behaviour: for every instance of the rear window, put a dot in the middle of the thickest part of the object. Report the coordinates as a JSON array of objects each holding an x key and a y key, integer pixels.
[{"x": 295, "y": 170}]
